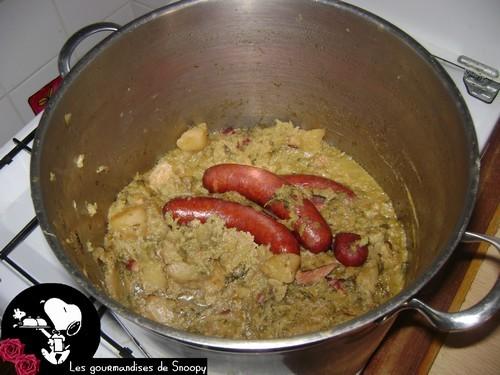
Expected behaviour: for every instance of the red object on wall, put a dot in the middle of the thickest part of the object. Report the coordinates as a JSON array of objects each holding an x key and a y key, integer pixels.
[{"x": 39, "y": 99}]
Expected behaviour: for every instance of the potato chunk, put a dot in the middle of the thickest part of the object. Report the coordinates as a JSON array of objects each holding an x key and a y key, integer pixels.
[
  {"x": 282, "y": 267},
  {"x": 308, "y": 140},
  {"x": 194, "y": 139},
  {"x": 131, "y": 220},
  {"x": 159, "y": 309},
  {"x": 153, "y": 277},
  {"x": 183, "y": 272},
  {"x": 160, "y": 174}
]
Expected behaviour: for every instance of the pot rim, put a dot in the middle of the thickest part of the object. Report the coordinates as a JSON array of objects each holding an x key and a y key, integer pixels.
[{"x": 378, "y": 315}]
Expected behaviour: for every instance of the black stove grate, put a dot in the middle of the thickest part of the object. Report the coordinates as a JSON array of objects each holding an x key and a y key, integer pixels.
[{"x": 20, "y": 145}]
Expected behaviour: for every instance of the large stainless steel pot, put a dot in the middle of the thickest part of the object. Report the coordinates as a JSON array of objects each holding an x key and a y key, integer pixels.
[{"x": 381, "y": 96}]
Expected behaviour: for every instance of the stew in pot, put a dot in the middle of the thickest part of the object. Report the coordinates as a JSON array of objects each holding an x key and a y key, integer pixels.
[{"x": 253, "y": 233}]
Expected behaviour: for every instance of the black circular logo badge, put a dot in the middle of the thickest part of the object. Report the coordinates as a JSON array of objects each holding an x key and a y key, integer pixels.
[{"x": 53, "y": 322}]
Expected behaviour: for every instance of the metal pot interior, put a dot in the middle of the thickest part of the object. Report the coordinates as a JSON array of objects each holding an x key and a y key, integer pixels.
[{"x": 381, "y": 97}]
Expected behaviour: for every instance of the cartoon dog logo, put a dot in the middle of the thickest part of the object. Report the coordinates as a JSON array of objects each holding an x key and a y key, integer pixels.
[{"x": 66, "y": 321}]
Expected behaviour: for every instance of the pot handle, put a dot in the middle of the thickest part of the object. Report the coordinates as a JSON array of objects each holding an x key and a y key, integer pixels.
[
  {"x": 68, "y": 48},
  {"x": 472, "y": 317}
]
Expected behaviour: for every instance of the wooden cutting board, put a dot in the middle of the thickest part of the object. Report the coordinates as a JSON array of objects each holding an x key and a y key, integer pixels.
[
  {"x": 411, "y": 345},
  {"x": 476, "y": 351}
]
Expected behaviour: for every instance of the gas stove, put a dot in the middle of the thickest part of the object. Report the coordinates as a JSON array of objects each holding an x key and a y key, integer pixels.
[{"x": 26, "y": 259}]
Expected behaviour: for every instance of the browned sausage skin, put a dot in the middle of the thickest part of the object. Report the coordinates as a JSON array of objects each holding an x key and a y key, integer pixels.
[
  {"x": 265, "y": 230},
  {"x": 260, "y": 185},
  {"x": 314, "y": 232},
  {"x": 317, "y": 182},
  {"x": 347, "y": 251},
  {"x": 254, "y": 183}
]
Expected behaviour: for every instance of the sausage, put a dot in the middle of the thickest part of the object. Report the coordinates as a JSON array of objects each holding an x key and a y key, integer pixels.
[
  {"x": 314, "y": 232},
  {"x": 265, "y": 230},
  {"x": 317, "y": 182},
  {"x": 259, "y": 186},
  {"x": 256, "y": 184},
  {"x": 346, "y": 253}
]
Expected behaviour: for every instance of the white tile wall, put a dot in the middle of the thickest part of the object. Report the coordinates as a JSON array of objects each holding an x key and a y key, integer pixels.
[
  {"x": 21, "y": 93},
  {"x": 123, "y": 15},
  {"x": 31, "y": 34},
  {"x": 10, "y": 120},
  {"x": 140, "y": 9},
  {"x": 76, "y": 14}
]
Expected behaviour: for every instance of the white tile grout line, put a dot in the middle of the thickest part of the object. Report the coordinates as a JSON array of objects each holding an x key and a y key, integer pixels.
[
  {"x": 32, "y": 74},
  {"x": 117, "y": 10},
  {"x": 7, "y": 94},
  {"x": 145, "y": 5},
  {"x": 61, "y": 19},
  {"x": 36, "y": 71},
  {"x": 40, "y": 67},
  {"x": 44, "y": 64}
]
